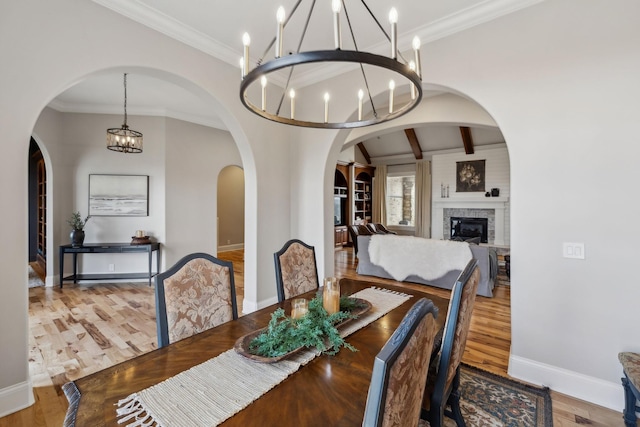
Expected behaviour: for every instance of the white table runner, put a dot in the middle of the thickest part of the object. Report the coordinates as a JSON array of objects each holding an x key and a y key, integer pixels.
[{"x": 209, "y": 393}]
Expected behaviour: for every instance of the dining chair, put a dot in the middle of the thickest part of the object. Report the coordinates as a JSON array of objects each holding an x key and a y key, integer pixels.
[
  {"x": 296, "y": 270},
  {"x": 194, "y": 295},
  {"x": 631, "y": 384},
  {"x": 444, "y": 375},
  {"x": 400, "y": 370}
]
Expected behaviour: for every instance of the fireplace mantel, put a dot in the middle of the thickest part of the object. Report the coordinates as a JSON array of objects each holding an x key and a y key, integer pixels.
[
  {"x": 498, "y": 204},
  {"x": 471, "y": 202}
]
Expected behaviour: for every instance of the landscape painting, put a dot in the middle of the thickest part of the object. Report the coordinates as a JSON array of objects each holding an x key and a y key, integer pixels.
[{"x": 118, "y": 195}]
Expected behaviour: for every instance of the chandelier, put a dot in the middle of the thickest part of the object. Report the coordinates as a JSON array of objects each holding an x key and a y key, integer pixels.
[
  {"x": 396, "y": 72},
  {"x": 124, "y": 139}
]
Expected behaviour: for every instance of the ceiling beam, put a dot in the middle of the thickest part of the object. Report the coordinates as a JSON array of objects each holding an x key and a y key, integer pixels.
[
  {"x": 467, "y": 140},
  {"x": 415, "y": 144},
  {"x": 364, "y": 152}
]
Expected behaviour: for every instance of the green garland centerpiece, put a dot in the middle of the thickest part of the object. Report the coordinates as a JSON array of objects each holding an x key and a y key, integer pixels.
[{"x": 315, "y": 329}]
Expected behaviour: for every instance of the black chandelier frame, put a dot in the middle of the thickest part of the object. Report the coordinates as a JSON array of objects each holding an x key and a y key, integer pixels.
[{"x": 337, "y": 56}]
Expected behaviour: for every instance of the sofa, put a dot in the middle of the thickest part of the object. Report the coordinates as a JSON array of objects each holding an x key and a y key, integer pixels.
[{"x": 486, "y": 256}]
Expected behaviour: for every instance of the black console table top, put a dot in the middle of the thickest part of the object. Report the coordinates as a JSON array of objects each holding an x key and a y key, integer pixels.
[{"x": 101, "y": 248}]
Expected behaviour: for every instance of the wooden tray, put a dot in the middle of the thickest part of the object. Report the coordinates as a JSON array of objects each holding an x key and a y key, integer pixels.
[{"x": 242, "y": 344}]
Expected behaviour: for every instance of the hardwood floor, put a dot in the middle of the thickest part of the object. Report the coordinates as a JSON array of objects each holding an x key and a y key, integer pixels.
[{"x": 84, "y": 328}]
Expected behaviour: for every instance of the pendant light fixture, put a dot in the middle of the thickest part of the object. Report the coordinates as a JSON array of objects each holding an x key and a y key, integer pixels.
[{"x": 123, "y": 139}]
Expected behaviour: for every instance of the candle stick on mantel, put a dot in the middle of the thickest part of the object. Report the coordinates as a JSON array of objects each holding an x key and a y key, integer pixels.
[
  {"x": 393, "y": 20},
  {"x": 280, "y": 16},
  {"x": 292, "y": 95},
  {"x": 337, "y": 34},
  {"x": 326, "y": 107},
  {"x": 246, "y": 41},
  {"x": 263, "y": 83}
]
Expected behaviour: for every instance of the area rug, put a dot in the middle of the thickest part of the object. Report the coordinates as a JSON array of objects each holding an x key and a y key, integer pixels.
[
  {"x": 490, "y": 400},
  {"x": 34, "y": 279}
]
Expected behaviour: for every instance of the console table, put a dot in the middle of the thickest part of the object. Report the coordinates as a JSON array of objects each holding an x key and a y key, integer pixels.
[{"x": 102, "y": 248}]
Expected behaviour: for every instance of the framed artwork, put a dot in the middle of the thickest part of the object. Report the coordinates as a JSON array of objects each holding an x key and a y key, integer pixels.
[
  {"x": 118, "y": 195},
  {"x": 470, "y": 176}
]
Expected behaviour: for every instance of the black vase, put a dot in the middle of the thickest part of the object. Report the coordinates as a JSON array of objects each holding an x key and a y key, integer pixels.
[{"x": 77, "y": 237}]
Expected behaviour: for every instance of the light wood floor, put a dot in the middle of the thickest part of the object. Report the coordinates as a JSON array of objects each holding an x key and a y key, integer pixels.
[{"x": 84, "y": 328}]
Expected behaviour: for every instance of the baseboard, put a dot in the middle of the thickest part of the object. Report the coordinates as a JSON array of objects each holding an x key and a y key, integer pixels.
[
  {"x": 228, "y": 248},
  {"x": 250, "y": 306},
  {"x": 574, "y": 384},
  {"x": 15, "y": 398}
]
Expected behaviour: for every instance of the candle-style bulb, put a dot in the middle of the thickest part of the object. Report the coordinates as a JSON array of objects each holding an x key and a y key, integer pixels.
[
  {"x": 416, "y": 52},
  {"x": 360, "y": 96},
  {"x": 412, "y": 67},
  {"x": 393, "y": 16},
  {"x": 393, "y": 20},
  {"x": 392, "y": 86},
  {"x": 280, "y": 16},
  {"x": 416, "y": 43},
  {"x": 292, "y": 95},
  {"x": 263, "y": 83},
  {"x": 326, "y": 107},
  {"x": 337, "y": 34},
  {"x": 242, "y": 66},
  {"x": 246, "y": 41}
]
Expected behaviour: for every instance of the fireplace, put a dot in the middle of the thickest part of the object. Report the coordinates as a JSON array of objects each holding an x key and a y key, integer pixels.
[{"x": 469, "y": 228}]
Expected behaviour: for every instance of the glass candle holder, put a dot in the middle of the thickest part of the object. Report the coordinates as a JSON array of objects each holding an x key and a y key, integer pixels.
[
  {"x": 331, "y": 295},
  {"x": 299, "y": 307}
]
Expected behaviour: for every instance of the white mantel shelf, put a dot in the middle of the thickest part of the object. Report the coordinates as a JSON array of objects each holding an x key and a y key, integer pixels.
[
  {"x": 498, "y": 204},
  {"x": 475, "y": 202}
]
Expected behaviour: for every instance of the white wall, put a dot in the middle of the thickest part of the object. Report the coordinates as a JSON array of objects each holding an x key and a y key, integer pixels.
[
  {"x": 195, "y": 156},
  {"x": 560, "y": 80}
]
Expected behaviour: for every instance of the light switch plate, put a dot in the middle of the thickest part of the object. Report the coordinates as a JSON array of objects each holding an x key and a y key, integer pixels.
[{"x": 573, "y": 250}]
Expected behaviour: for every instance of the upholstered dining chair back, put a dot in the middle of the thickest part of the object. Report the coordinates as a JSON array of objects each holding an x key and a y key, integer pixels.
[
  {"x": 296, "y": 270},
  {"x": 443, "y": 389},
  {"x": 400, "y": 370},
  {"x": 194, "y": 295}
]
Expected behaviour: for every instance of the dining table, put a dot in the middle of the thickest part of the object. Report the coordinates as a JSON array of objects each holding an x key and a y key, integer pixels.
[{"x": 329, "y": 390}]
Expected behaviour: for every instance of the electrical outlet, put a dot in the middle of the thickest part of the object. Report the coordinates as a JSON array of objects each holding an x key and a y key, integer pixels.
[
  {"x": 573, "y": 250},
  {"x": 228, "y": 242},
  {"x": 112, "y": 267}
]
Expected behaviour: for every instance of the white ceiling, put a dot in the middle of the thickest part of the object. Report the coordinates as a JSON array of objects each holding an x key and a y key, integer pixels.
[{"x": 216, "y": 28}]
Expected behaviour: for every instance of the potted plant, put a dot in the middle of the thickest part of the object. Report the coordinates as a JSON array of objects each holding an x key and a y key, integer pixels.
[{"x": 77, "y": 228}]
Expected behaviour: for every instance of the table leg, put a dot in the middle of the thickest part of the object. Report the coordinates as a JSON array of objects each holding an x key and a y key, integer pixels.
[
  {"x": 150, "y": 263},
  {"x": 61, "y": 266},
  {"x": 75, "y": 267}
]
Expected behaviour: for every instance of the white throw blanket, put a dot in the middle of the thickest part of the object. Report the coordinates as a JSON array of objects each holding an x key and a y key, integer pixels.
[{"x": 403, "y": 256}]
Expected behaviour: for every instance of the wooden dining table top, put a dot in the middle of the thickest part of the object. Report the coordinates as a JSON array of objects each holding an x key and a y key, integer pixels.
[{"x": 329, "y": 390}]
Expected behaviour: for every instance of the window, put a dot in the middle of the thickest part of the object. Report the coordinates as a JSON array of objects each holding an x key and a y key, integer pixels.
[{"x": 401, "y": 198}]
